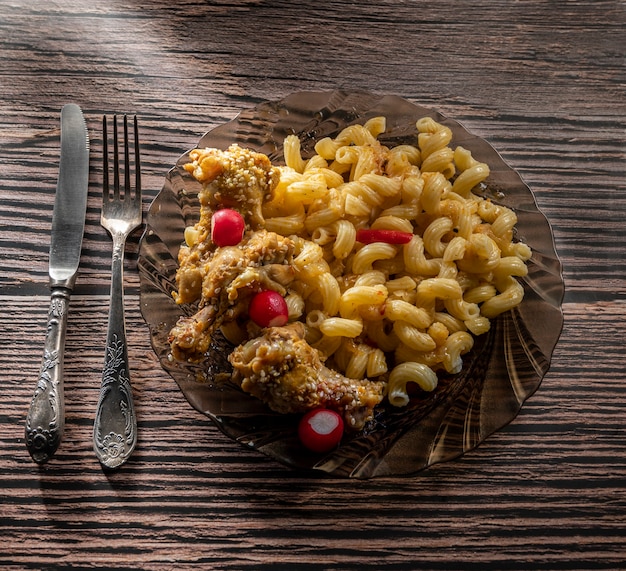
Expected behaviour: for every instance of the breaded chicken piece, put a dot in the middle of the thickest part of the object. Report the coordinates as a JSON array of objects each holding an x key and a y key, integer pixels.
[
  {"x": 229, "y": 278},
  {"x": 281, "y": 369},
  {"x": 237, "y": 178}
]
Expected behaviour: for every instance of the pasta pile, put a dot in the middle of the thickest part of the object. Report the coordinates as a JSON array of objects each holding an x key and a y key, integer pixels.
[{"x": 396, "y": 312}]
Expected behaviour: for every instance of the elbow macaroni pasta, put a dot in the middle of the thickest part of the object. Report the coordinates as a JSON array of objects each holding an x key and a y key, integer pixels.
[{"x": 397, "y": 312}]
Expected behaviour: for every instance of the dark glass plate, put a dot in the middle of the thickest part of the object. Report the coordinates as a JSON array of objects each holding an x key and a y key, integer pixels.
[{"x": 503, "y": 369}]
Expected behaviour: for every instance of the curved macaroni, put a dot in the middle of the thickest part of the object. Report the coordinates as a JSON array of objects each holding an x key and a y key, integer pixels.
[{"x": 406, "y": 373}]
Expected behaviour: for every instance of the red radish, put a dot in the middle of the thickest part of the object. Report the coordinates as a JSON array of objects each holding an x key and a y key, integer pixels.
[
  {"x": 269, "y": 309},
  {"x": 227, "y": 227},
  {"x": 321, "y": 429},
  {"x": 369, "y": 235}
]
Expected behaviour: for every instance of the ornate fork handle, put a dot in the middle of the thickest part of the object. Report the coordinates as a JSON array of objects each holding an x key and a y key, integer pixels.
[
  {"x": 46, "y": 417},
  {"x": 115, "y": 427}
]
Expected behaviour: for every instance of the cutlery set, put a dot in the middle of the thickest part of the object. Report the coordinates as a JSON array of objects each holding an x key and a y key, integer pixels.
[{"x": 115, "y": 426}]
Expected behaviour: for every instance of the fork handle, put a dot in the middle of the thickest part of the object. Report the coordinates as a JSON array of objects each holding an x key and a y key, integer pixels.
[
  {"x": 115, "y": 426},
  {"x": 45, "y": 420}
]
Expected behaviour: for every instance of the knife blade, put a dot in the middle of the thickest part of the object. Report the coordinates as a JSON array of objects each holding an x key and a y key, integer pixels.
[{"x": 45, "y": 420}]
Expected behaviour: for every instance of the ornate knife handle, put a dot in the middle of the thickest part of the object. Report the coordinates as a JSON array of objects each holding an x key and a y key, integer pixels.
[
  {"x": 46, "y": 417},
  {"x": 115, "y": 426}
]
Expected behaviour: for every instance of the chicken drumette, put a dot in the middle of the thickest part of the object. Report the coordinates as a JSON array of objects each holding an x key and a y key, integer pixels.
[
  {"x": 222, "y": 279},
  {"x": 281, "y": 369},
  {"x": 236, "y": 178},
  {"x": 229, "y": 277}
]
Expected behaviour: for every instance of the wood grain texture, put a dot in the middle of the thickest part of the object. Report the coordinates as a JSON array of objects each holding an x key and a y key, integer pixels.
[{"x": 542, "y": 81}]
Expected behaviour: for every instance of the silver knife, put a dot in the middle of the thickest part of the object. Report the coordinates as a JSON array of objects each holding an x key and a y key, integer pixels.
[{"x": 45, "y": 421}]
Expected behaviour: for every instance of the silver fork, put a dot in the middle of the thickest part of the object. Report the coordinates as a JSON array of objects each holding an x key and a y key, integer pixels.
[{"x": 115, "y": 426}]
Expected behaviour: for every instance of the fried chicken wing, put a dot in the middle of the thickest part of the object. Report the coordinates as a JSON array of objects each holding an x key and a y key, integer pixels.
[
  {"x": 237, "y": 178},
  {"x": 284, "y": 371},
  {"x": 228, "y": 278}
]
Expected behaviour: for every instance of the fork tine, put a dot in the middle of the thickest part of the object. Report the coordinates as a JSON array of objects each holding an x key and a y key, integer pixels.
[
  {"x": 116, "y": 161},
  {"x": 137, "y": 162},
  {"x": 105, "y": 159},
  {"x": 126, "y": 160}
]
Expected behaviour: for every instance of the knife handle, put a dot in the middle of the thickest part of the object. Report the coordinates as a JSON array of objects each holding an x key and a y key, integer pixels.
[{"x": 46, "y": 417}]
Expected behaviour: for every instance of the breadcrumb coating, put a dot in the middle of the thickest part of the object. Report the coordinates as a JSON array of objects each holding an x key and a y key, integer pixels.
[
  {"x": 285, "y": 372},
  {"x": 237, "y": 178}
]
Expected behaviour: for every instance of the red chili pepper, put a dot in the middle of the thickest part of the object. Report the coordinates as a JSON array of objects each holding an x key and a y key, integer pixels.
[
  {"x": 369, "y": 235},
  {"x": 227, "y": 227},
  {"x": 320, "y": 430},
  {"x": 268, "y": 309}
]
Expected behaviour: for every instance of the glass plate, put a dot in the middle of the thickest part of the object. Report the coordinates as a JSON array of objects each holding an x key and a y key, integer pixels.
[{"x": 504, "y": 368}]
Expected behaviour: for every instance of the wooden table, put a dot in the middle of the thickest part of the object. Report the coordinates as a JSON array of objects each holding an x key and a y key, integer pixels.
[{"x": 542, "y": 81}]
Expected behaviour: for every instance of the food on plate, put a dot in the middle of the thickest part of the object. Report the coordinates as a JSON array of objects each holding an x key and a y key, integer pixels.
[
  {"x": 321, "y": 429},
  {"x": 227, "y": 227},
  {"x": 236, "y": 178},
  {"x": 224, "y": 279},
  {"x": 282, "y": 369},
  {"x": 268, "y": 309},
  {"x": 362, "y": 273}
]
